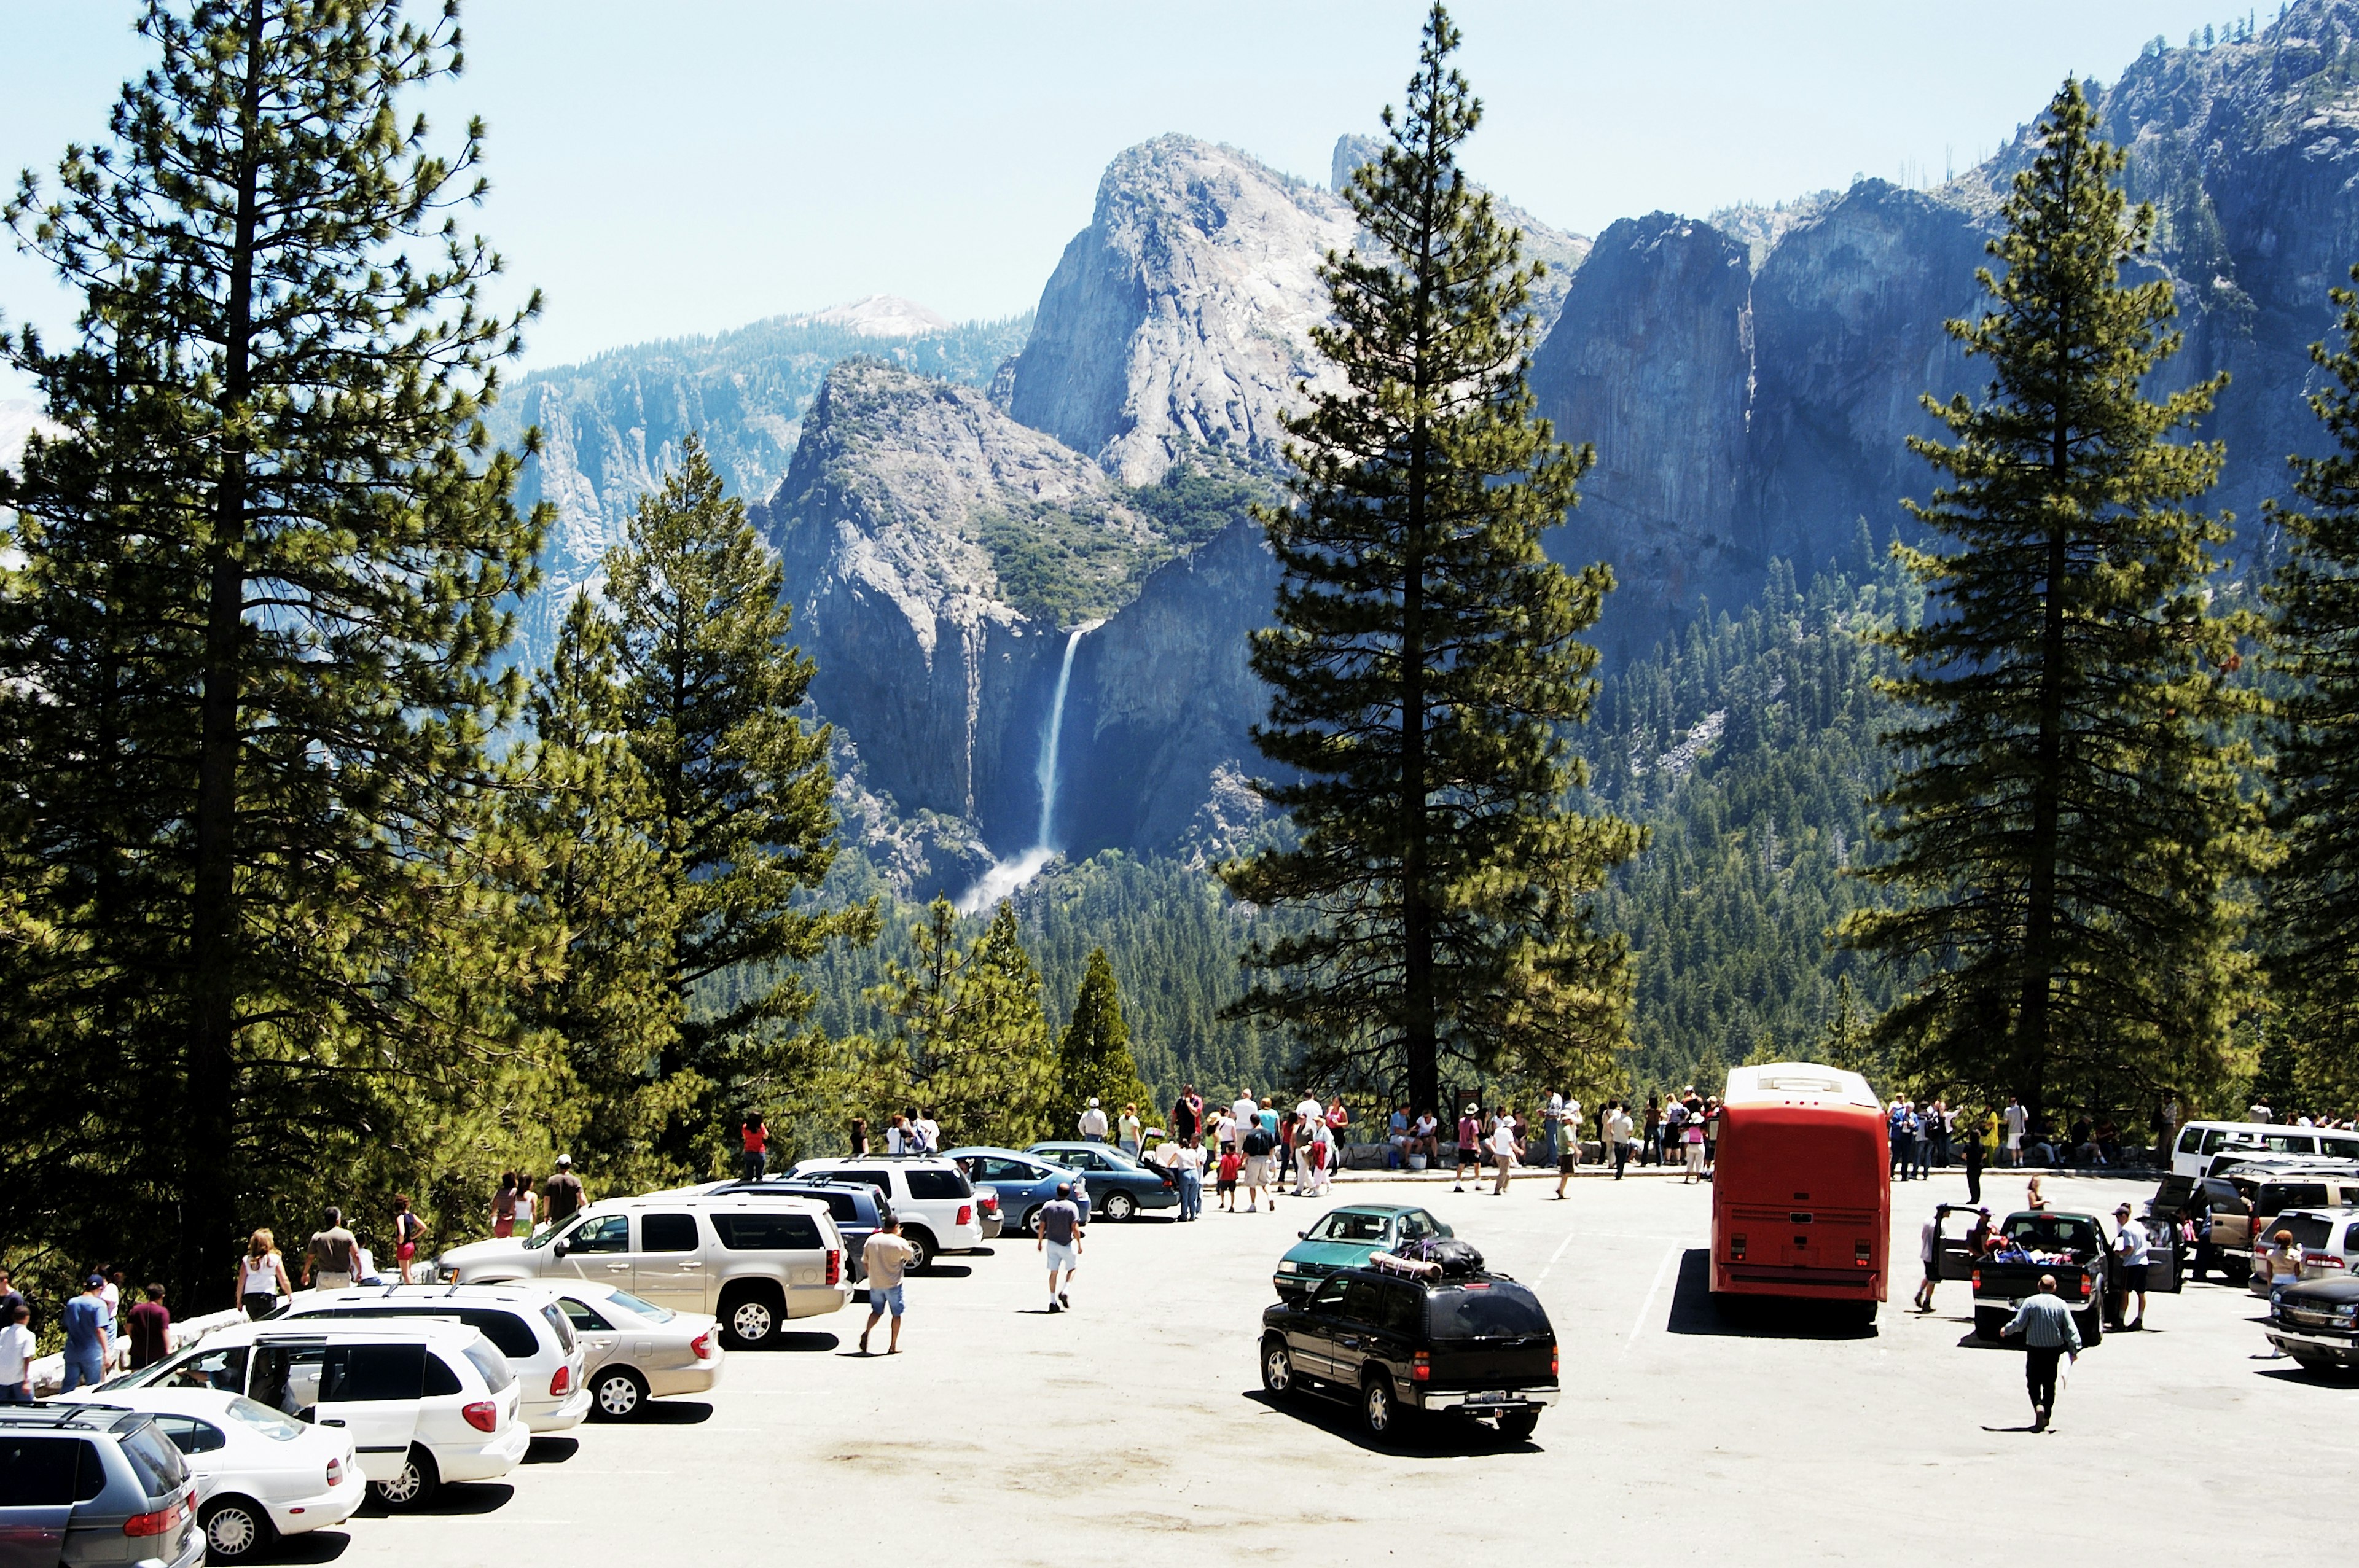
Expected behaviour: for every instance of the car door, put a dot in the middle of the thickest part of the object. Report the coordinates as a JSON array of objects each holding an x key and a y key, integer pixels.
[
  {"x": 668, "y": 1268},
  {"x": 1310, "y": 1334},
  {"x": 1357, "y": 1338},
  {"x": 38, "y": 1476},
  {"x": 600, "y": 1340},
  {"x": 368, "y": 1389},
  {"x": 599, "y": 1251}
]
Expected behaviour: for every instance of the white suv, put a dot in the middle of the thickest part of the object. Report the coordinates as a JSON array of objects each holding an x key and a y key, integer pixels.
[
  {"x": 524, "y": 1321},
  {"x": 751, "y": 1262},
  {"x": 931, "y": 1196},
  {"x": 426, "y": 1402}
]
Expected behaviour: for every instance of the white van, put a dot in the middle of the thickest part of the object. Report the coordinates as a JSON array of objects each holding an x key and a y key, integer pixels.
[
  {"x": 2205, "y": 1147},
  {"x": 426, "y": 1401},
  {"x": 524, "y": 1321}
]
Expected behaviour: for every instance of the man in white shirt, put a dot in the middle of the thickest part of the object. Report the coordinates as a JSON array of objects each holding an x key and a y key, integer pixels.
[
  {"x": 1504, "y": 1151},
  {"x": 1618, "y": 1129},
  {"x": 928, "y": 1132},
  {"x": 2133, "y": 1247},
  {"x": 1243, "y": 1113},
  {"x": 2015, "y": 1118},
  {"x": 1093, "y": 1122},
  {"x": 2256, "y": 1112},
  {"x": 17, "y": 1350},
  {"x": 1928, "y": 1253}
]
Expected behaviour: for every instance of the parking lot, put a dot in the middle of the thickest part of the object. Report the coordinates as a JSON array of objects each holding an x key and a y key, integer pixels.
[{"x": 1006, "y": 1434}]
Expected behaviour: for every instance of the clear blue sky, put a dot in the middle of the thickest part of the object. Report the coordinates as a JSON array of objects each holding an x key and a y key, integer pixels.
[{"x": 683, "y": 168}]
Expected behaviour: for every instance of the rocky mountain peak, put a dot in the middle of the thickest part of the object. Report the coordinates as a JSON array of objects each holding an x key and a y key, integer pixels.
[{"x": 882, "y": 316}]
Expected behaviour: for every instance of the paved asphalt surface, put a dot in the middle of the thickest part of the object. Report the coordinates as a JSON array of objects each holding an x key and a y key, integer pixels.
[{"x": 1003, "y": 1435}]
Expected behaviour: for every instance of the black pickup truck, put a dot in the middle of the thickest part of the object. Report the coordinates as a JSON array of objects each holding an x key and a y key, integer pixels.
[{"x": 2075, "y": 1249}]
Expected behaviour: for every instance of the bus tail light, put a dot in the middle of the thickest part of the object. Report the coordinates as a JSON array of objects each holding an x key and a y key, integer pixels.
[
  {"x": 1863, "y": 1253},
  {"x": 1737, "y": 1248},
  {"x": 1421, "y": 1369}
]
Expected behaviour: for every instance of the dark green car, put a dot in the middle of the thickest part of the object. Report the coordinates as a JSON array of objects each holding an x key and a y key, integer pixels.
[{"x": 1345, "y": 1238}]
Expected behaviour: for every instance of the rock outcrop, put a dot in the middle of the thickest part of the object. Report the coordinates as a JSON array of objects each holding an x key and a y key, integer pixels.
[{"x": 1182, "y": 316}]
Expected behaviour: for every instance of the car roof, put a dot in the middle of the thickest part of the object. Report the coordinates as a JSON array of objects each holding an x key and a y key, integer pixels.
[
  {"x": 680, "y": 1198},
  {"x": 1384, "y": 1208},
  {"x": 829, "y": 1161},
  {"x": 89, "y": 1417},
  {"x": 514, "y": 1294},
  {"x": 307, "y": 1328},
  {"x": 1004, "y": 1153}
]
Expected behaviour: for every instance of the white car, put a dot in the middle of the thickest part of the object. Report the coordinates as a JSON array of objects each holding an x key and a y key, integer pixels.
[
  {"x": 931, "y": 1196},
  {"x": 523, "y": 1321},
  {"x": 260, "y": 1475},
  {"x": 636, "y": 1350},
  {"x": 424, "y": 1400}
]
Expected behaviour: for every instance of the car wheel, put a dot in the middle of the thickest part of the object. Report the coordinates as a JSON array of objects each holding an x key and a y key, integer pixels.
[
  {"x": 1379, "y": 1411},
  {"x": 414, "y": 1485},
  {"x": 1276, "y": 1367},
  {"x": 2093, "y": 1326},
  {"x": 922, "y": 1243},
  {"x": 749, "y": 1319},
  {"x": 1022, "y": 1223},
  {"x": 1988, "y": 1323},
  {"x": 1121, "y": 1205},
  {"x": 618, "y": 1393},
  {"x": 235, "y": 1529},
  {"x": 1518, "y": 1425}
]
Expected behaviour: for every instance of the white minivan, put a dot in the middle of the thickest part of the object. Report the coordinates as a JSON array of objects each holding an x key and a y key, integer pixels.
[
  {"x": 2203, "y": 1148},
  {"x": 524, "y": 1321},
  {"x": 426, "y": 1401}
]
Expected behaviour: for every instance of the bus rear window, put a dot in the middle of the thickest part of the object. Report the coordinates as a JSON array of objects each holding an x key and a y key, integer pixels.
[{"x": 1769, "y": 1162}]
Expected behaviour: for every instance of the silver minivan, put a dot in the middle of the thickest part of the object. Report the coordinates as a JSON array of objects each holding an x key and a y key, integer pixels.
[{"x": 755, "y": 1263}]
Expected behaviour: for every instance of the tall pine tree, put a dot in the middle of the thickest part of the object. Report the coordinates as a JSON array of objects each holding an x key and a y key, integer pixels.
[
  {"x": 1427, "y": 659},
  {"x": 265, "y": 572},
  {"x": 2068, "y": 828},
  {"x": 2314, "y": 634},
  {"x": 738, "y": 794},
  {"x": 975, "y": 1042},
  {"x": 1093, "y": 1059}
]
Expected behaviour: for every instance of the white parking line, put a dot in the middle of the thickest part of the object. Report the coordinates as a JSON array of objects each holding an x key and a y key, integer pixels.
[
  {"x": 1639, "y": 1323},
  {"x": 1557, "y": 1254}
]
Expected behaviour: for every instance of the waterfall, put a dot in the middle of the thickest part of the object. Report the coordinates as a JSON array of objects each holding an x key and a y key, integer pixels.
[{"x": 1012, "y": 871}]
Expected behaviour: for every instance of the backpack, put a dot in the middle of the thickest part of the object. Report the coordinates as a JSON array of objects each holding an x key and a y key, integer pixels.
[
  {"x": 1257, "y": 1142},
  {"x": 1457, "y": 1257}
]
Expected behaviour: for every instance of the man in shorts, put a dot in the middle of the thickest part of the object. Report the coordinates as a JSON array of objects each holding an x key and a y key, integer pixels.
[
  {"x": 1256, "y": 1148},
  {"x": 884, "y": 1258},
  {"x": 1058, "y": 1224},
  {"x": 2132, "y": 1244},
  {"x": 331, "y": 1261}
]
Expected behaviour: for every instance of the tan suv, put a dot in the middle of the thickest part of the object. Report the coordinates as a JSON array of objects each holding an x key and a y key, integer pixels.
[{"x": 753, "y": 1262}]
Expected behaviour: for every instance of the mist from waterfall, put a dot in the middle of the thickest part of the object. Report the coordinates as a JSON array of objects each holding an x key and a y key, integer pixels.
[{"x": 1013, "y": 871}]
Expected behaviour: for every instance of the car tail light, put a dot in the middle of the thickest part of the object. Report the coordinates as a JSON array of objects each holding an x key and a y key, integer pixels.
[
  {"x": 482, "y": 1416},
  {"x": 966, "y": 1214},
  {"x": 1978, "y": 1279},
  {"x": 560, "y": 1381},
  {"x": 1862, "y": 1254},
  {"x": 834, "y": 1265},
  {"x": 702, "y": 1346},
  {"x": 163, "y": 1522},
  {"x": 1421, "y": 1369},
  {"x": 335, "y": 1472},
  {"x": 1552, "y": 1360}
]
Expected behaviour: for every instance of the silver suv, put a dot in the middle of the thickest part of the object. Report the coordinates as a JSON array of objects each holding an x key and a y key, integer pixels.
[{"x": 87, "y": 1484}]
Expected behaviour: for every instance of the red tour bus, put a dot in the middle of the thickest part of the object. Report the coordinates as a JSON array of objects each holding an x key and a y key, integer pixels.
[{"x": 1801, "y": 1187}]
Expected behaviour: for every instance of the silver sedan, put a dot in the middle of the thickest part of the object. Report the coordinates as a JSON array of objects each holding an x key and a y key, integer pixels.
[{"x": 636, "y": 1350}]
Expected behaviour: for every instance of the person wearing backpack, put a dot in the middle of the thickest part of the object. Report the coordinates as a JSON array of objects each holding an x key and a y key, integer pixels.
[
  {"x": 408, "y": 1230},
  {"x": 1256, "y": 1147}
]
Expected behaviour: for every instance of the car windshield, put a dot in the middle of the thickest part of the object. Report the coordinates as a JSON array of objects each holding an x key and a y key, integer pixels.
[
  {"x": 555, "y": 1231},
  {"x": 1493, "y": 1311},
  {"x": 647, "y": 1310},
  {"x": 1345, "y": 1226},
  {"x": 261, "y": 1418}
]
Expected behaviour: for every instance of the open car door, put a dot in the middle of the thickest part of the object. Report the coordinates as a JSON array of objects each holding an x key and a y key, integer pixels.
[{"x": 1955, "y": 1257}]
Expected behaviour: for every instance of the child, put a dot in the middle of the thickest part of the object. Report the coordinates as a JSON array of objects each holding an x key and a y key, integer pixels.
[{"x": 1226, "y": 1188}]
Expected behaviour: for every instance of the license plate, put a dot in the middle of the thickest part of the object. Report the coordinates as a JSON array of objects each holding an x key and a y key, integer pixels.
[{"x": 1489, "y": 1396}]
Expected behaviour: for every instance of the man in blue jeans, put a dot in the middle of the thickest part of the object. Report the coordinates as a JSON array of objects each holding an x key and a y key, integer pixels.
[{"x": 86, "y": 1336}]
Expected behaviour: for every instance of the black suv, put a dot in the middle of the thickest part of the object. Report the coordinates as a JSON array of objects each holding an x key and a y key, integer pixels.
[{"x": 1399, "y": 1336}]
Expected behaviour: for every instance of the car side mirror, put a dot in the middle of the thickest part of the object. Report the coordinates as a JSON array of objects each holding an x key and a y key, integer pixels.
[
  {"x": 1302, "y": 1235},
  {"x": 560, "y": 1249},
  {"x": 308, "y": 1414}
]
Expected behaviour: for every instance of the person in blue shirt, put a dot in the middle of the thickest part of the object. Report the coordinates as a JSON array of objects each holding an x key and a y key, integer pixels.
[{"x": 88, "y": 1336}]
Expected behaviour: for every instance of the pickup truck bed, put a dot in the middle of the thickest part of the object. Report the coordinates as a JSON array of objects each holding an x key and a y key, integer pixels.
[{"x": 2082, "y": 1280}]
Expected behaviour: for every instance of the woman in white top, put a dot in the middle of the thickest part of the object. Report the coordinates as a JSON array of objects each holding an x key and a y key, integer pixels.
[
  {"x": 1504, "y": 1151},
  {"x": 262, "y": 1275},
  {"x": 525, "y": 1201}
]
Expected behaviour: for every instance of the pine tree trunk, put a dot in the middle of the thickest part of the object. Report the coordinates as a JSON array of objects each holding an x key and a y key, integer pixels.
[{"x": 209, "y": 1213}]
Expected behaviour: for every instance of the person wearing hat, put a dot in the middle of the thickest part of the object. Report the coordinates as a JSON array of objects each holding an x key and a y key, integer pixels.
[
  {"x": 2131, "y": 1250},
  {"x": 561, "y": 1193},
  {"x": 1093, "y": 1122},
  {"x": 1469, "y": 1146},
  {"x": 89, "y": 1342}
]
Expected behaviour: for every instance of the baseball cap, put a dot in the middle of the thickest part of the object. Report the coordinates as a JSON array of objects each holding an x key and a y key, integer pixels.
[
  {"x": 2123, "y": 1209},
  {"x": 565, "y": 1159},
  {"x": 96, "y": 1280},
  {"x": 1094, "y": 1100}
]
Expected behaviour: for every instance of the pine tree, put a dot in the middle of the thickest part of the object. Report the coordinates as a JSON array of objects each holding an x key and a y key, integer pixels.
[
  {"x": 739, "y": 792},
  {"x": 263, "y": 575},
  {"x": 975, "y": 1042},
  {"x": 2314, "y": 636},
  {"x": 1094, "y": 1057},
  {"x": 2068, "y": 827},
  {"x": 1426, "y": 662}
]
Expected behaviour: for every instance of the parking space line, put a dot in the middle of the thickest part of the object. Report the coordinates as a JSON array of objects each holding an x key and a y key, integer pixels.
[
  {"x": 1557, "y": 1254},
  {"x": 1639, "y": 1323}
]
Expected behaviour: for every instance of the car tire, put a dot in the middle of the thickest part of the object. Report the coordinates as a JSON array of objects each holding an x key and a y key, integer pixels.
[
  {"x": 414, "y": 1487},
  {"x": 1121, "y": 1206},
  {"x": 1380, "y": 1411},
  {"x": 750, "y": 1316},
  {"x": 235, "y": 1529},
  {"x": 617, "y": 1394},
  {"x": 2092, "y": 1323},
  {"x": 1987, "y": 1323},
  {"x": 2236, "y": 1271},
  {"x": 1276, "y": 1367},
  {"x": 1022, "y": 1223},
  {"x": 1518, "y": 1426},
  {"x": 927, "y": 1247}
]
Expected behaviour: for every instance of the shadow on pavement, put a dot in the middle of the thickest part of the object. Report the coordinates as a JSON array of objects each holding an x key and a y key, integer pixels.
[
  {"x": 673, "y": 1413},
  {"x": 947, "y": 1272},
  {"x": 552, "y": 1450},
  {"x": 1422, "y": 1437},
  {"x": 456, "y": 1499},
  {"x": 802, "y": 1340},
  {"x": 317, "y": 1546},
  {"x": 1693, "y": 1311}
]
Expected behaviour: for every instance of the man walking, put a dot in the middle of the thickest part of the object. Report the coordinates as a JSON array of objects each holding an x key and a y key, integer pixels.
[
  {"x": 1974, "y": 1153},
  {"x": 2049, "y": 1334},
  {"x": 561, "y": 1193},
  {"x": 1618, "y": 1130},
  {"x": 1504, "y": 1151},
  {"x": 1256, "y": 1149},
  {"x": 149, "y": 1326},
  {"x": 89, "y": 1342},
  {"x": 1059, "y": 1223},
  {"x": 884, "y": 1258},
  {"x": 2133, "y": 1247},
  {"x": 1928, "y": 1253},
  {"x": 2014, "y": 1119},
  {"x": 18, "y": 1349},
  {"x": 331, "y": 1260},
  {"x": 1470, "y": 1148}
]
